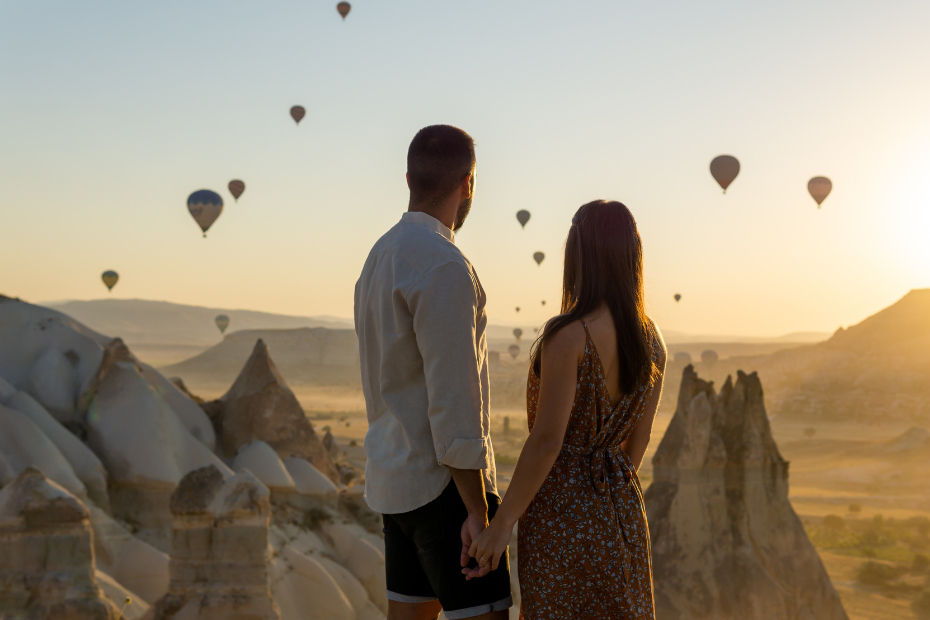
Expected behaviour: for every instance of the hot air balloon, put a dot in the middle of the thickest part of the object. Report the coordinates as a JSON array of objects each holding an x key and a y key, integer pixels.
[
  {"x": 110, "y": 278},
  {"x": 819, "y": 188},
  {"x": 523, "y": 216},
  {"x": 343, "y": 8},
  {"x": 724, "y": 169},
  {"x": 518, "y": 308},
  {"x": 544, "y": 302},
  {"x": 677, "y": 297},
  {"x": 297, "y": 113},
  {"x": 539, "y": 257},
  {"x": 205, "y": 206},
  {"x": 518, "y": 333},
  {"x": 514, "y": 350},
  {"x": 236, "y": 187},
  {"x": 709, "y": 357},
  {"x": 682, "y": 357},
  {"x": 222, "y": 321}
]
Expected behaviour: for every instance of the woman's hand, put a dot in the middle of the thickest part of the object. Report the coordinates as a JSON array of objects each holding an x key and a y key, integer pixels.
[{"x": 487, "y": 548}]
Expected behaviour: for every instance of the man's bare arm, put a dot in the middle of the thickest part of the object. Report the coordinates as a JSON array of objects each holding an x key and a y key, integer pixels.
[{"x": 470, "y": 484}]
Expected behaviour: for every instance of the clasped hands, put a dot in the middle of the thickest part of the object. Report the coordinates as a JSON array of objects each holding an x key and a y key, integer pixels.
[{"x": 484, "y": 542}]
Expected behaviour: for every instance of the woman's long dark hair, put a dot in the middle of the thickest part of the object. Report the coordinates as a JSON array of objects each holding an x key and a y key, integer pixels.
[{"x": 604, "y": 264}]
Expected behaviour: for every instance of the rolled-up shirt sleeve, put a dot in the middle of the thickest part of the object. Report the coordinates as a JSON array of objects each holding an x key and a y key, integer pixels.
[{"x": 444, "y": 305}]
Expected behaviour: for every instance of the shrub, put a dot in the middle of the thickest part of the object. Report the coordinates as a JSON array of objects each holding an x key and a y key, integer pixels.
[
  {"x": 876, "y": 574},
  {"x": 921, "y": 524},
  {"x": 834, "y": 522},
  {"x": 868, "y": 552},
  {"x": 855, "y": 508},
  {"x": 921, "y": 563},
  {"x": 353, "y": 443}
]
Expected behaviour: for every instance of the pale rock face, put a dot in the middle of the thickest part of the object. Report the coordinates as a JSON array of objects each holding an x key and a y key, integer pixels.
[
  {"x": 28, "y": 333},
  {"x": 53, "y": 383},
  {"x": 259, "y": 405},
  {"x": 308, "y": 479},
  {"x": 136, "y": 565},
  {"x": 87, "y": 467},
  {"x": 46, "y": 554},
  {"x": 23, "y": 445},
  {"x": 219, "y": 550},
  {"x": 353, "y": 589},
  {"x": 302, "y": 588},
  {"x": 188, "y": 411},
  {"x": 726, "y": 542},
  {"x": 138, "y": 435},
  {"x": 363, "y": 559},
  {"x": 261, "y": 459}
]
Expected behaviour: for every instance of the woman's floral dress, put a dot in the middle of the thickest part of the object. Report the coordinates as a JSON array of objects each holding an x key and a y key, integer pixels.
[{"x": 584, "y": 550}]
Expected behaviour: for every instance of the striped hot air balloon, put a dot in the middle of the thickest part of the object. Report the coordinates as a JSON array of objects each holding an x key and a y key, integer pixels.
[
  {"x": 236, "y": 187},
  {"x": 205, "y": 206},
  {"x": 222, "y": 322},
  {"x": 297, "y": 113}
]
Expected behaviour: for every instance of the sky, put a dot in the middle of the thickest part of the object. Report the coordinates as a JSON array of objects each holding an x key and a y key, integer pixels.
[{"x": 112, "y": 113}]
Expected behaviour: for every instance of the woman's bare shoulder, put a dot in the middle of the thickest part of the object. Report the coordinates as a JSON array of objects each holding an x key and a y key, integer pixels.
[{"x": 568, "y": 341}]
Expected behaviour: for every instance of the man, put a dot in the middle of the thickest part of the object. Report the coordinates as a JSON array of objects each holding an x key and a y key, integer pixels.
[{"x": 420, "y": 320}]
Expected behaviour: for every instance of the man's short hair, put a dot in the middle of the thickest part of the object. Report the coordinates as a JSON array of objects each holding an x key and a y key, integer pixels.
[{"x": 438, "y": 159}]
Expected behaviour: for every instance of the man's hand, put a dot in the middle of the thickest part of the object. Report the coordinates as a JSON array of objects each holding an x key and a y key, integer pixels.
[
  {"x": 473, "y": 525},
  {"x": 488, "y": 547}
]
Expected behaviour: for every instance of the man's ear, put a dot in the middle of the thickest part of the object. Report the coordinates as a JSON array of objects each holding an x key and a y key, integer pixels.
[
  {"x": 468, "y": 185},
  {"x": 407, "y": 176}
]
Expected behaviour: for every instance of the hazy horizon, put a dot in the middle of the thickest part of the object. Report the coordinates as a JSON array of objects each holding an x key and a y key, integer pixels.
[{"x": 106, "y": 132}]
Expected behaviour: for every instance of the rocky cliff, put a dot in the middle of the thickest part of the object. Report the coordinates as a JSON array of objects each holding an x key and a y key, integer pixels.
[{"x": 726, "y": 542}]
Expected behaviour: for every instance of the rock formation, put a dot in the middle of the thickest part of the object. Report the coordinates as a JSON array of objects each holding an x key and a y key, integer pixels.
[
  {"x": 260, "y": 405},
  {"x": 726, "y": 541},
  {"x": 219, "y": 550},
  {"x": 113, "y": 439},
  {"x": 46, "y": 554}
]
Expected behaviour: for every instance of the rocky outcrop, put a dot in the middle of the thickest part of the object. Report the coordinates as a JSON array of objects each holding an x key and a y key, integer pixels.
[
  {"x": 46, "y": 554},
  {"x": 260, "y": 406},
  {"x": 726, "y": 542},
  {"x": 219, "y": 550}
]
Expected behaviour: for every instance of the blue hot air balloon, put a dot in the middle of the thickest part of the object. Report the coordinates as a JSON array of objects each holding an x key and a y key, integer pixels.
[{"x": 205, "y": 206}]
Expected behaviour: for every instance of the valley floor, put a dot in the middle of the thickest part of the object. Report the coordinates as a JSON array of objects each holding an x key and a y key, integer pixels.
[{"x": 838, "y": 469}]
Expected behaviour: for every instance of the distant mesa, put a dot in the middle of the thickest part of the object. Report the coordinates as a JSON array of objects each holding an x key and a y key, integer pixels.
[{"x": 726, "y": 541}]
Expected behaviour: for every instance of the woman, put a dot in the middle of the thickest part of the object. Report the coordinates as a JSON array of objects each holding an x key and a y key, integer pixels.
[{"x": 592, "y": 395}]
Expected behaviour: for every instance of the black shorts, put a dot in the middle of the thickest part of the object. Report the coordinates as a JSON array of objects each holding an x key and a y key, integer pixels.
[{"x": 422, "y": 551}]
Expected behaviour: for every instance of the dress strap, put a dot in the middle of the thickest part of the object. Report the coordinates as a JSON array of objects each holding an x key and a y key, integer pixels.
[{"x": 585, "y": 325}]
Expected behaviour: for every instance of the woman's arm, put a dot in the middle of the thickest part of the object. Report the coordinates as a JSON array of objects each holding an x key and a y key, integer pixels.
[
  {"x": 558, "y": 378},
  {"x": 635, "y": 444}
]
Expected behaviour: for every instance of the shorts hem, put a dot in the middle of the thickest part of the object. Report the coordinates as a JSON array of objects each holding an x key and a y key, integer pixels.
[
  {"x": 471, "y": 612},
  {"x": 405, "y": 598}
]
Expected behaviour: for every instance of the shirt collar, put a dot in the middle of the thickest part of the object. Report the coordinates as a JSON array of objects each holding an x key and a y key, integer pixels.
[{"x": 424, "y": 219}]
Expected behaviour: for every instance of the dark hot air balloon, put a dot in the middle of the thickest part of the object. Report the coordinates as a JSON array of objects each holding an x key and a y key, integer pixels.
[
  {"x": 682, "y": 357},
  {"x": 544, "y": 302},
  {"x": 222, "y": 321},
  {"x": 677, "y": 297},
  {"x": 236, "y": 187},
  {"x": 523, "y": 216},
  {"x": 819, "y": 188},
  {"x": 109, "y": 278},
  {"x": 539, "y": 257},
  {"x": 343, "y": 8},
  {"x": 514, "y": 350},
  {"x": 724, "y": 169},
  {"x": 518, "y": 308},
  {"x": 297, "y": 113},
  {"x": 518, "y": 333},
  {"x": 205, "y": 206},
  {"x": 709, "y": 357}
]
